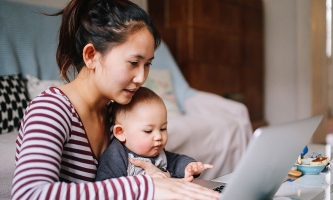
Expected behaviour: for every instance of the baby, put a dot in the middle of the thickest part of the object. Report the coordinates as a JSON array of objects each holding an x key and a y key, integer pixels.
[{"x": 140, "y": 130}]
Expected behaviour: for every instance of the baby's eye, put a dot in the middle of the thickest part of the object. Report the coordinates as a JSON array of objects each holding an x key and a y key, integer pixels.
[
  {"x": 148, "y": 131},
  {"x": 163, "y": 129}
]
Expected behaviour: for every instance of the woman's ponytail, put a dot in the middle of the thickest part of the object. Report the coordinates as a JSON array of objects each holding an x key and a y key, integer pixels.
[{"x": 103, "y": 23}]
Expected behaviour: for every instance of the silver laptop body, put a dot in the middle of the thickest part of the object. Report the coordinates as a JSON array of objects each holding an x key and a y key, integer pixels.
[{"x": 270, "y": 155}]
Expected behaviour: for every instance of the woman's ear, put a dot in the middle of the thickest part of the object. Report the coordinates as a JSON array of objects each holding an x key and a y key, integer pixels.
[
  {"x": 89, "y": 56},
  {"x": 118, "y": 132}
]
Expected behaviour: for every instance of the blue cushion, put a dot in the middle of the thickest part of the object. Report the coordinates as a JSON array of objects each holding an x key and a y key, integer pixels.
[
  {"x": 163, "y": 59},
  {"x": 28, "y": 40}
]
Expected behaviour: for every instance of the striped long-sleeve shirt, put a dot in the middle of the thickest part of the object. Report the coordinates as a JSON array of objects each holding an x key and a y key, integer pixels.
[{"x": 54, "y": 159}]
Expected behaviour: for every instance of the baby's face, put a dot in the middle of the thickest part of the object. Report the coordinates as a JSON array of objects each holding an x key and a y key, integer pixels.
[{"x": 145, "y": 129}]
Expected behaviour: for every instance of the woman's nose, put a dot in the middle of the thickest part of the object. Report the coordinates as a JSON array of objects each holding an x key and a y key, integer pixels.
[{"x": 140, "y": 75}]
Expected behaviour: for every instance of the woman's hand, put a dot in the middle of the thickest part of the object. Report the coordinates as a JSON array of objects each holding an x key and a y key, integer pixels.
[
  {"x": 195, "y": 168},
  {"x": 150, "y": 169},
  {"x": 170, "y": 188}
]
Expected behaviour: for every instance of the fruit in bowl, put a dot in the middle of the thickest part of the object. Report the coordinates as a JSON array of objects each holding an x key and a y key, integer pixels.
[
  {"x": 312, "y": 165},
  {"x": 322, "y": 160}
]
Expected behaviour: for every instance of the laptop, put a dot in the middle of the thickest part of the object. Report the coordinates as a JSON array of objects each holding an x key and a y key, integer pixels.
[{"x": 270, "y": 155}]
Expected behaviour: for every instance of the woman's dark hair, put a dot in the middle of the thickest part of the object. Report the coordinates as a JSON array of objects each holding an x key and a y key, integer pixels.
[{"x": 103, "y": 23}]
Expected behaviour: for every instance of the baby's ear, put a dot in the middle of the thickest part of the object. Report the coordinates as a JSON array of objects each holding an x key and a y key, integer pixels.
[{"x": 118, "y": 132}]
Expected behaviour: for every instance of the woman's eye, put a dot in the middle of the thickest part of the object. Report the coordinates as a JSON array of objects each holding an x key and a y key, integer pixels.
[
  {"x": 147, "y": 131},
  {"x": 163, "y": 129},
  {"x": 148, "y": 64},
  {"x": 134, "y": 63}
]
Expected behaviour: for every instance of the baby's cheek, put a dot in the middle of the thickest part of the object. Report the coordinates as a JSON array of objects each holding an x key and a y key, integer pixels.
[
  {"x": 144, "y": 146},
  {"x": 165, "y": 138}
]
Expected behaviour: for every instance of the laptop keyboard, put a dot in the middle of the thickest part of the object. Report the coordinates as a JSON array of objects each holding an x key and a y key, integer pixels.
[{"x": 219, "y": 189}]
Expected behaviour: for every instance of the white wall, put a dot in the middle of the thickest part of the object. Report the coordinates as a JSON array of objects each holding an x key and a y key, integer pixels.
[{"x": 287, "y": 60}]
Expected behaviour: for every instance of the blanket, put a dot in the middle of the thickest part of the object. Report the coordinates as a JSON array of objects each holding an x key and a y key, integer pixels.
[{"x": 28, "y": 40}]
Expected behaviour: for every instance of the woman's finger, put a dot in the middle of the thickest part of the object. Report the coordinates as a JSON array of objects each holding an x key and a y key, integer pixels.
[
  {"x": 150, "y": 169},
  {"x": 147, "y": 166},
  {"x": 141, "y": 163},
  {"x": 196, "y": 191},
  {"x": 180, "y": 189},
  {"x": 159, "y": 175}
]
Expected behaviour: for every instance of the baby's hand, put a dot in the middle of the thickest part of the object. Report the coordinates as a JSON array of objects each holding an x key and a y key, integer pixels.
[{"x": 195, "y": 168}]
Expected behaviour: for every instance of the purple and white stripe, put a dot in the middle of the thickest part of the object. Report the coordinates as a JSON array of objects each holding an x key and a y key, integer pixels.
[{"x": 54, "y": 159}]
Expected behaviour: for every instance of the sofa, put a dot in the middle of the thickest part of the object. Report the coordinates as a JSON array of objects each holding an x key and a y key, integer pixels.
[{"x": 205, "y": 126}]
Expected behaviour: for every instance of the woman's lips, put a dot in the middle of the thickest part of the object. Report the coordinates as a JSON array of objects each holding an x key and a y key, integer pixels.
[{"x": 129, "y": 92}]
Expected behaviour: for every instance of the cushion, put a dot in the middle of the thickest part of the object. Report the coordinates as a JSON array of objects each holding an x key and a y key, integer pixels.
[
  {"x": 28, "y": 41},
  {"x": 160, "y": 82},
  {"x": 163, "y": 59},
  {"x": 36, "y": 86},
  {"x": 13, "y": 100}
]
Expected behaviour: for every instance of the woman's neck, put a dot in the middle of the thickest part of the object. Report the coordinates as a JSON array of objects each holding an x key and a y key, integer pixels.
[
  {"x": 92, "y": 110},
  {"x": 85, "y": 92}
]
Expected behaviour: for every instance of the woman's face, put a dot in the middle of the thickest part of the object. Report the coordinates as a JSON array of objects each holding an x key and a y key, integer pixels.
[{"x": 125, "y": 67}]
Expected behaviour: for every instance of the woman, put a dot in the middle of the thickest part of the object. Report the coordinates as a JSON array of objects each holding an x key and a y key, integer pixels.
[{"x": 110, "y": 44}]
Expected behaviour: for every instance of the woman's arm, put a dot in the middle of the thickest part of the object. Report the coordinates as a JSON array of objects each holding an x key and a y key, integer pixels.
[
  {"x": 172, "y": 188},
  {"x": 44, "y": 132}
]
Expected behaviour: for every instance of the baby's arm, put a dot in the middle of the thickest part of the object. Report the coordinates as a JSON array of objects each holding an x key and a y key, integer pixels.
[
  {"x": 176, "y": 164},
  {"x": 196, "y": 168}
]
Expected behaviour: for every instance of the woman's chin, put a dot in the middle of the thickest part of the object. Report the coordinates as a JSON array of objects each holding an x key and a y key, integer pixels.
[{"x": 123, "y": 101}]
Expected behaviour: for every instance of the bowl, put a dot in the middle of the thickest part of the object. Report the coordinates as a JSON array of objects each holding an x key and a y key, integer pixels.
[
  {"x": 310, "y": 169},
  {"x": 306, "y": 161}
]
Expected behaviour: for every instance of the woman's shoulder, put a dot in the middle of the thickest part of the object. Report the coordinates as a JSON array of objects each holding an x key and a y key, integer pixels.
[
  {"x": 52, "y": 99},
  {"x": 53, "y": 94},
  {"x": 50, "y": 109}
]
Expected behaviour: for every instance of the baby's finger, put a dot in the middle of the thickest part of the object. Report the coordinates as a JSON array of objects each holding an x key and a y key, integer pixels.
[
  {"x": 189, "y": 168},
  {"x": 195, "y": 168},
  {"x": 208, "y": 166},
  {"x": 200, "y": 165},
  {"x": 188, "y": 179}
]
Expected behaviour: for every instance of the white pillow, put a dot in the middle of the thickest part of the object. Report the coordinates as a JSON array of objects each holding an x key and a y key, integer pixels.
[
  {"x": 36, "y": 86},
  {"x": 160, "y": 81}
]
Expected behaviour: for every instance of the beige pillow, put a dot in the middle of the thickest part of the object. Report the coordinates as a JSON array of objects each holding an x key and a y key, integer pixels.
[
  {"x": 36, "y": 86},
  {"x": 160, "y": 81}
]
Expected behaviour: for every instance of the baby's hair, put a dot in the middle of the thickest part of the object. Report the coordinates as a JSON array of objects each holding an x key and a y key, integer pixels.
[
  {"x": 103, "y": 23},
  {"x": 142, "y": 95}
]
